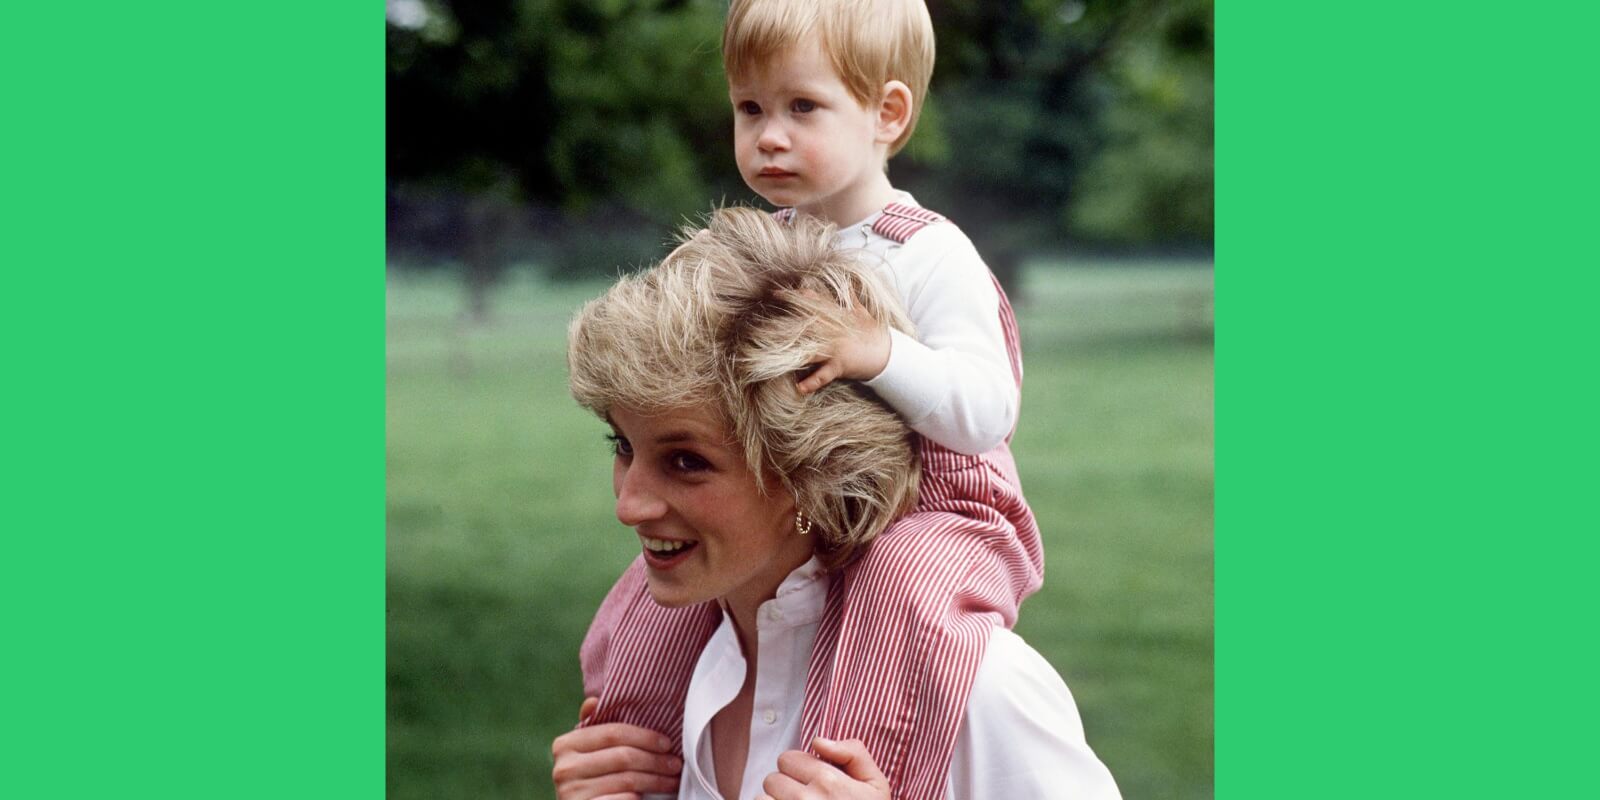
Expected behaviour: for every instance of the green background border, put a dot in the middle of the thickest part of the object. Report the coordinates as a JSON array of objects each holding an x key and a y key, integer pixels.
[
  {"x": 193, "y": 563},
  {"x": 192, "y": 575},
  {"x": 1404, "y": 280}
]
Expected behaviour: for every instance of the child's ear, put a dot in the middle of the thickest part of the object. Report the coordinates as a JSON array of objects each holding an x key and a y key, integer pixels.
[{"x": 894, "y": 111}]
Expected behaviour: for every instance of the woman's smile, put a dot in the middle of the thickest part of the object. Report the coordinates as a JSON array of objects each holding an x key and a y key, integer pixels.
[{"x": 665, "y": 553}]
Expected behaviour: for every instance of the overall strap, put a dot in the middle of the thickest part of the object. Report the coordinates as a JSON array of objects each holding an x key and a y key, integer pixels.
[
  {"x": 900, "y": 221},
  {"x": 1008, "y": 326}
]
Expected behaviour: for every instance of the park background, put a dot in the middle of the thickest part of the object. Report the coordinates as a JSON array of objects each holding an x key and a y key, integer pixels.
[{"x": 537, "y": 148}]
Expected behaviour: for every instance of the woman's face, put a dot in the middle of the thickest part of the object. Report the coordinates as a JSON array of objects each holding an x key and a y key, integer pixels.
[{"x": 706, "y": 529}]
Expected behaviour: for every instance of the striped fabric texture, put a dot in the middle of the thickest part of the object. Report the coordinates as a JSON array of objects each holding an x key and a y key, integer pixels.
[
  {"x": 904, "y": 627},
  {"x": 899, "y": 221}
]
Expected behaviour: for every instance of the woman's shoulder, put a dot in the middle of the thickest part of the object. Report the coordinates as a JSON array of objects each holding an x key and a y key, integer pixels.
[
  {"x": 1022, "y": 733},
  {"x": 1014, "y": 676}
]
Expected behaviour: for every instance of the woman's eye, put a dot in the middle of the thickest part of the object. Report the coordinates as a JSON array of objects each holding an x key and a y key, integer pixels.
[
  {"x": 689, "y": 462},
  {"x": 803, "y": 106},
  {"x": 749, "y": 108},
  {"x": 620, "y": 446}
]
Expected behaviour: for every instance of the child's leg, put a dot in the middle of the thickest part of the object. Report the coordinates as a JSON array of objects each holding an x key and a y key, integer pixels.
[
  {"x": 638, "y": 656},
  {"x": 913, "y": 622}
]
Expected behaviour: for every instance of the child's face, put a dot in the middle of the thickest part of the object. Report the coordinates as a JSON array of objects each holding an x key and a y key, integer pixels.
[{"x": 801, "y": 139}]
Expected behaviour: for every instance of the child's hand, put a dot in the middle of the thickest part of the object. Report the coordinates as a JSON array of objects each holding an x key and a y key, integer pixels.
[{"x": 858, "y": 352}]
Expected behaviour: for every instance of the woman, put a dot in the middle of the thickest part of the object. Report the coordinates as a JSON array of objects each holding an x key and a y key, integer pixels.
[{"x": 749, "y": 500}]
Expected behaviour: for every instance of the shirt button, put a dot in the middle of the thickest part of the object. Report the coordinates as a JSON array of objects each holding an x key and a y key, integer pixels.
[{"x": 769, "y": 716}]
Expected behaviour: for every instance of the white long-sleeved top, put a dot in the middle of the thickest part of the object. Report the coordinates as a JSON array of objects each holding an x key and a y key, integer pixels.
[
  {"x": 1022, "y": 736},
  {"x": 953, "y": 382}
]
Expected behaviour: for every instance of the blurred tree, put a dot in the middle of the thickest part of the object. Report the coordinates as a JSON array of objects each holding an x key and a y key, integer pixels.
[
  {"x": 1048, "y": 120},
  {"x": 1047, "y": 111},
  {"x": 612, "y": 113},
  {"x": 1152, "y": 180}
]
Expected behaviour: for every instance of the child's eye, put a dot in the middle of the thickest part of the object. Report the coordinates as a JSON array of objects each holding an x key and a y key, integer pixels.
[
  {"x": 688, "y": 462},
  {"x": 803, "y": 106},
  {"x": 748, "y": 107},
  {"x": 620, "y": 446}
]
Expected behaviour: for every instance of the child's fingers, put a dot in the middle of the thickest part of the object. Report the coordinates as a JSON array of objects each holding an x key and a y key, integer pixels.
[
  {"x": 587, "y": 709},
  {"x": 825, "y": 374}
]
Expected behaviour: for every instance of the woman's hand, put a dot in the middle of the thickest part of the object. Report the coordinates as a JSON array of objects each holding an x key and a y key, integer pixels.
[
  {"x": 847, "y": 772},
  {"x": 612, "y": 761}
]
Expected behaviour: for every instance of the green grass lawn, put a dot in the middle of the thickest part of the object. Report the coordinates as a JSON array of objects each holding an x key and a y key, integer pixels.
[{"x": 501, "y": 538}]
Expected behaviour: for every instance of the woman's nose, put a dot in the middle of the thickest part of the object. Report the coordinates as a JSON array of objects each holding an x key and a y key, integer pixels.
[{"x": 637, "y": 502}]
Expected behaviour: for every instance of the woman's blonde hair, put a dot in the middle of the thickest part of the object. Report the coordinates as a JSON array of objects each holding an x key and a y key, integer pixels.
[
  {"x": 725, "y": 323},
  {"x": 869, "y": 43}
]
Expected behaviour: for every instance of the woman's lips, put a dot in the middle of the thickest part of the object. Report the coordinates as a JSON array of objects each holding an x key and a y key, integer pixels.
[{"x": 667, "y": 560}]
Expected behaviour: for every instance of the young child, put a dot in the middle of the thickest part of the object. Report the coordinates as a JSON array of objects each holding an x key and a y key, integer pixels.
[{"x": 823, "y": 93}]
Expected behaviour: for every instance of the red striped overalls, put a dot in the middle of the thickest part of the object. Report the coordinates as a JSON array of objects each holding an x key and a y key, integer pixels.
[{"x": 904, "y": 627}]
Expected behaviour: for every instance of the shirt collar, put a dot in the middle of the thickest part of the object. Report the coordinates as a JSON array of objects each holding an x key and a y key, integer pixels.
[{"x": 798, "y": 601}]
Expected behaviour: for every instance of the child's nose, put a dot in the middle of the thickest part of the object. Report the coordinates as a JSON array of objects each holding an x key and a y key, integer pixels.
[{"x": 773, "y": 137}]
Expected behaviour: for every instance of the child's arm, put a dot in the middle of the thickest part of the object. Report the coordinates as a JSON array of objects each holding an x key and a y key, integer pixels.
[{"x": 953, "y": 382}]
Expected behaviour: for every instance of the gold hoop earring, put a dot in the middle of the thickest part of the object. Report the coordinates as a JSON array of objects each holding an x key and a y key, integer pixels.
[{"x": 802, "y": 526}]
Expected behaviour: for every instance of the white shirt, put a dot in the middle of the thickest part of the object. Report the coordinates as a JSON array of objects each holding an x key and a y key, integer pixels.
[
  {"x": 953, "y": 382},
  {"x": 1022, "y": 736}
]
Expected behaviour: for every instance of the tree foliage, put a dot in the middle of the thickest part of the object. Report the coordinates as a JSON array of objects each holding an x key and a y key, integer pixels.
[
  {"x": 1071, "y": 121},
  {"x": 580, "y": 131}
]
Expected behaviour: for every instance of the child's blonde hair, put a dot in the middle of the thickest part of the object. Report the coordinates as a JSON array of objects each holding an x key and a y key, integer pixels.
[
  {"x": 722, "y": 325},
  {"x": 869, "y": 42}
]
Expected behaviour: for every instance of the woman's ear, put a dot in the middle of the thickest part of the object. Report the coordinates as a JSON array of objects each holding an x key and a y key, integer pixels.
[{"x": 894, "y": 112}]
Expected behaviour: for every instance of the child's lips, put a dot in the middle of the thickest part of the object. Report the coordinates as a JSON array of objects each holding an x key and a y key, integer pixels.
[{"x": 774, "y": 172}]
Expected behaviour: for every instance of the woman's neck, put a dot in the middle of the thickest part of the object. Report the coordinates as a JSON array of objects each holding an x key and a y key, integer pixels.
[
  {"x": 743, "y": 603},
  {"x": 744, "y": 612},
  {"x": 744, "y": 626}
]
